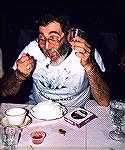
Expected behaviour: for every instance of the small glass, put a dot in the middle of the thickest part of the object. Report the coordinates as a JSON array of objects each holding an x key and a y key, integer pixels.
[
  {"x": 73, "y": 32},
  {"x": 10, "y": 137},
  {"x": 37, "y": 137},
  {"x": 117, "y": 112}
]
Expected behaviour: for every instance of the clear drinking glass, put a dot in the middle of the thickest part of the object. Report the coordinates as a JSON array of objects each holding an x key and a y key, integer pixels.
[
  {"x": 73, "y": 32},
  {"x": 10, "y": 137},
  {"x": 117, "y": 112}
]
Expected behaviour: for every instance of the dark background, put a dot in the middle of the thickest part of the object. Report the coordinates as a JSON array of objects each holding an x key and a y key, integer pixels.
[{"x": 104, "y": 19}]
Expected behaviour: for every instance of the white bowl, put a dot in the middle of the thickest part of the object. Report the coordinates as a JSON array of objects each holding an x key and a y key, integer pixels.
[{"x": 16, "y": 116}]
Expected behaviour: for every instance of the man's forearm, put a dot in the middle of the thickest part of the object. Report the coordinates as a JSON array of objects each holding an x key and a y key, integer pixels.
[
  {"x": 11, "y": 85},
  {"x": 99, "y": 87}
]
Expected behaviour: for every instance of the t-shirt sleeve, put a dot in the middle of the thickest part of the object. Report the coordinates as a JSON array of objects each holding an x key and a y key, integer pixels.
[
  {"x": 26, "y": 50},
  {"x": 99, "y": 60}
]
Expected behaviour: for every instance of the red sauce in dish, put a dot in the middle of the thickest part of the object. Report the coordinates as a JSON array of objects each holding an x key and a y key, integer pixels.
[{"x": 37, "y": 137}]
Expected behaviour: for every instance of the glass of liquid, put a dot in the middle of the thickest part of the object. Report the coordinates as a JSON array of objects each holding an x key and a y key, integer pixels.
[
  {"x": 73, "y": 32},
  {"x": 117, "y": 112},
  {"x": 10, "y": 137}
]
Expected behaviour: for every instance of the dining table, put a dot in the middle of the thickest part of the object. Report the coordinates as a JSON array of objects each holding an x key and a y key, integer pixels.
[{"x": 94, "y": 135}]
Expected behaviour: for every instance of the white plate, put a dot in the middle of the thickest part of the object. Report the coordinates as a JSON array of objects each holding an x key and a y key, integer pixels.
[
  {"x": 28, "y": 121},
  {"x": 64, "y": 113}
]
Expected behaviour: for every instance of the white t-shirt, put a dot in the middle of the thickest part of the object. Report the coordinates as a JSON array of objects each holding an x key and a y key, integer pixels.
[{"x": 66, "y": 83}]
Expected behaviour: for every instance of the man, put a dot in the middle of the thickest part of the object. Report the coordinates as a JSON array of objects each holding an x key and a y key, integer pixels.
[{"x": 61, "y": 72}]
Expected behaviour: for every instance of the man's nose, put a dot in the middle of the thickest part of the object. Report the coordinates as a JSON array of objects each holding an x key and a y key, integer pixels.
[{"x": 47, "y": 45}]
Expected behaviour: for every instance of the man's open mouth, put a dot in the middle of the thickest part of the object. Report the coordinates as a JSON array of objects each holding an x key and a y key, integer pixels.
[{"x": 53, "y": 55}]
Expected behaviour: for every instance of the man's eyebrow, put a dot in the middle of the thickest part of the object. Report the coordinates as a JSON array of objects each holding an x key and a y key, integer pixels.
[
  {"x": 54, "y": 32},
  {"x": 41, "y": 33}
]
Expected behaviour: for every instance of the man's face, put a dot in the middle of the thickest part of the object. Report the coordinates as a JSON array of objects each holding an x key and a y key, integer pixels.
[{"x": 52, "y": 41}]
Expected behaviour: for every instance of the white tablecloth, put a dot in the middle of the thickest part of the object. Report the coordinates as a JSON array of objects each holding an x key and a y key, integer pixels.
[{"x": 92, "y": 136}]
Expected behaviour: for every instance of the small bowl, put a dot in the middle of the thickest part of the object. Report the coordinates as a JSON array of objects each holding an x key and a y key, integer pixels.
[
  {"x": 38, "y": 137},
  {"x": 16, "y": 116}
]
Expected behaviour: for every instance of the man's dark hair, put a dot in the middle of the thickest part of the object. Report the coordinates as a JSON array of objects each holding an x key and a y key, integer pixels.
[{"x": 62, "y": 19}]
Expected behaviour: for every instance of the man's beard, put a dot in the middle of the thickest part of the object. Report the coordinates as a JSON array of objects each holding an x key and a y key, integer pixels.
[{"x": 60, "y": 52}]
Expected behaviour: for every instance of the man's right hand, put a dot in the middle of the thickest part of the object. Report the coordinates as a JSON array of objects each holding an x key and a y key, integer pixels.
[{"x": 26, "y": 64}]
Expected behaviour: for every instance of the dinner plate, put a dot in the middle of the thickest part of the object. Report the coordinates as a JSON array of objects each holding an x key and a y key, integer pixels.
[
  {"x": 28, "y": 121},
  {"x": 49, "y": 119}
]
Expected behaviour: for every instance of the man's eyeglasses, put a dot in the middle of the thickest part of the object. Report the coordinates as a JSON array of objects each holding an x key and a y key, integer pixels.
[{"x": 52, "y": 40}]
